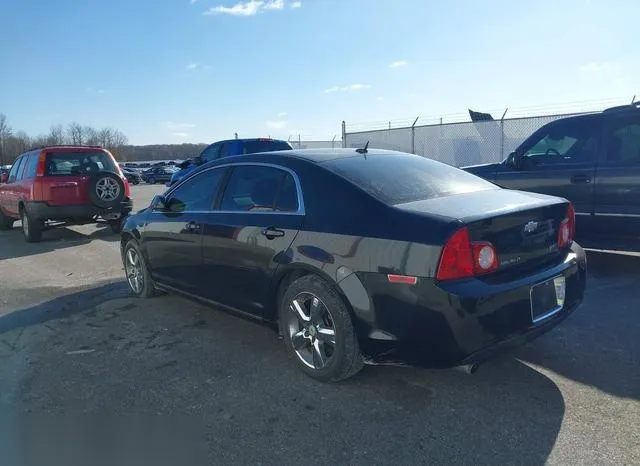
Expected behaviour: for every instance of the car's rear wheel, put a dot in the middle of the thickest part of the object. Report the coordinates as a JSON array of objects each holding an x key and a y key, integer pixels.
[
  {"x": 31, "y": 227},
  {"x": 138, "y": 277},
  {"x": 6, "y": 223},
  {"x": 318, "y": 330},
  {"x": 151, "y": 180}
]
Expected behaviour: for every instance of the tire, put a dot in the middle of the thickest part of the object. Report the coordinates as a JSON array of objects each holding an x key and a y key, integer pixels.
[
  {"x": 151, "y": 180},
  {"x": 106, "y": 189},
  {"x": 6, "y": 223},
  {"x": 31, "y": 228},
  {"x": 345, "y": 359},
  {"x": 145, "y": 288}
]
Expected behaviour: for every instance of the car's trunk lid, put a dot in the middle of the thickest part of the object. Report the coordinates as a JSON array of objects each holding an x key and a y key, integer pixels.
[{"x": 522, "y": 226}]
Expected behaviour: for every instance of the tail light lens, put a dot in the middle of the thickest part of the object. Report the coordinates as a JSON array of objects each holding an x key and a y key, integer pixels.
[
  {"x": 42, "y": 160},
  {"x": 463, "y": 258},
  {"x": 567, "y": 229}
]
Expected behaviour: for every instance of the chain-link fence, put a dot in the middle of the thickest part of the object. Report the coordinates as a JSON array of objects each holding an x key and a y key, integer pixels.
[
  {"x": 457, "y": 144},
  {"x": 298, "y": 144}
]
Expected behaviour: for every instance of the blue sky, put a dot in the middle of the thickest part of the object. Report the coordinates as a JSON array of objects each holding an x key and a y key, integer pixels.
[{"x": 167, "y": 71}]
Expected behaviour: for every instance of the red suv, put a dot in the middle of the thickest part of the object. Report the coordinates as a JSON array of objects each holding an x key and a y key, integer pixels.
[{"x": 69, "y": 184}]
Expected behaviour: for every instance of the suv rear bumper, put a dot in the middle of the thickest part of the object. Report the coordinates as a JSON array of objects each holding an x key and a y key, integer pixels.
[{"x": 44, "y": 211}]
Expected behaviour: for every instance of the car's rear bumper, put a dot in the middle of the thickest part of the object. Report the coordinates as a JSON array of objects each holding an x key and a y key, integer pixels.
[
  {"x": 45, "y": 211},
  {"x": 434, "y": 324}
]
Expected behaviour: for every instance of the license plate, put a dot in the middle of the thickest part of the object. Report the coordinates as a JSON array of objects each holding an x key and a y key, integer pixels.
[{"x": 547, "y": 298}]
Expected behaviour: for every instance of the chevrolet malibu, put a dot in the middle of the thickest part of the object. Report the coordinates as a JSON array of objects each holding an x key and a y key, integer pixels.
[{"x": 362, "y": 256}]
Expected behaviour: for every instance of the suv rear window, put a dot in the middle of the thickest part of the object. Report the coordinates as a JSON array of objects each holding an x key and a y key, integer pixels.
[
  {"x": 397, "y": 179},
  {"x": 251, "y": 147},
  {"x": 78, "y": 163}
]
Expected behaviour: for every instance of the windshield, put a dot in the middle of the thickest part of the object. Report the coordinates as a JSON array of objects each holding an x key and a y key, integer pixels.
[
  {"x": 397, "y": 178},
  {"x": 74, "y": 163}
]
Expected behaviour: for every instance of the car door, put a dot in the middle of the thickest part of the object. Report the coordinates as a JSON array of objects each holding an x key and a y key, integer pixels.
[
  {"x": 11, "y": 189},
  {"x": 560, "y": 161},
  {"x": 259, "y": 215},
  {"x": 173, "y": 233},
  {"x": 25, "y": 177},
  {"x": 617, "y": 187}
]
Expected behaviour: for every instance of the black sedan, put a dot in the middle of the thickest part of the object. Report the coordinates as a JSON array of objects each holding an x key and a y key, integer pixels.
[
  {"x": 362, "y": 256},
  {"x": 132, "y": 176},
  {"x": 159, "y": 174}
]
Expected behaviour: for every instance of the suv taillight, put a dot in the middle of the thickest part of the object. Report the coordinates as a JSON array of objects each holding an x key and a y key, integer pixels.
[
  {"x": 567, "y": 230},
  {"x": 42, "y": 160},
  {"x": 463, "y": 258}
]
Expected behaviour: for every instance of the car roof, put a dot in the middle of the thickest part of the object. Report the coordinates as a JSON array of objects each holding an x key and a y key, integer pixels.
[
  {"x": 320, "y": 156},
  {"x": 250, "y": 140},
  {"x": 66, "y": 147}
]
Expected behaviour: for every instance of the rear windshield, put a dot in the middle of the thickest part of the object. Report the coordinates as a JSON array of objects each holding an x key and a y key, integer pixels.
[
  {"x": 78, "y": 163},
  {"x": 251, "y": 147},
  {"x": 397, "y": 178}
]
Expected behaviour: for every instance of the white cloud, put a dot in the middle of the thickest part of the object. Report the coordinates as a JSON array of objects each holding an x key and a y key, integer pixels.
[
  {"x": 249, "y": 8},
  {"x": 172, "y": 126},
  {"x": 398, "y": 63},
  {"x": 179, "y": 135},
  {"x": 274, "y": 5},
  {"x": 276, "y": 124},
  {"x": 192, "y": 66},
  {"x": 296, "y": 4},
  {"x": 379, "y": 98},
  {"x": 191, "y": 2},
  {"x": 281, "y": 114},
  {"x": 351, "y": 87}
]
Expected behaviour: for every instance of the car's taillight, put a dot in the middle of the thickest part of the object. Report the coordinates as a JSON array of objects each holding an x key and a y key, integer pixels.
[
  {"x": 463, "y": 258},
  {"x": 42, "y": 161},
  {"x": 567, "y": 229}
]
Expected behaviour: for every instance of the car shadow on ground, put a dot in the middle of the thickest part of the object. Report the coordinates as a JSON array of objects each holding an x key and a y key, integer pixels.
[
  {"x": 53, "y": 238},
  {"x": 598, "y": 345},
  {"x": 89, "y": 352}
]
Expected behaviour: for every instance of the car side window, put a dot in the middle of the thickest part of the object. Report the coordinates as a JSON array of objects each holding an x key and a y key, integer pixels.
[
  {"x": 197, "y": 193},
  {"x": 253, "y": 188},
  {"x": 15, "y": 169},
  {"x": 567, "y": 142},
  {"x": 287, "y": 198},
  {"x": 31, "y": 167},
  {"x": 622, "y": 144},
  {"x": 210, "y": 153}
]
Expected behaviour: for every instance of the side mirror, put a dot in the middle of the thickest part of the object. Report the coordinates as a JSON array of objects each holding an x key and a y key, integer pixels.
[
  {"x": 4, "y": 177},
  {"x": 512, "y": 160},
  {"x": 158, "y": 203}
]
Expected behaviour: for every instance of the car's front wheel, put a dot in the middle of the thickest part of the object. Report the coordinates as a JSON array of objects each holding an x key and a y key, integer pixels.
[
  {"x": 138, "y": 277},
  {"x": 318, "y": 330},
  {"x": 31, "y": 228}
]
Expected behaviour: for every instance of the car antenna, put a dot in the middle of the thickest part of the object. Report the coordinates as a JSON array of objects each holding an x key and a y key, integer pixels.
[{"x": 364, "y": 149}]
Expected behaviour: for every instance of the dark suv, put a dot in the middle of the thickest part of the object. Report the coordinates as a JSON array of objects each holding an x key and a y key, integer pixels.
[
  {"x": 71, "y": 184},
  {"x": 592, "y": 160}
]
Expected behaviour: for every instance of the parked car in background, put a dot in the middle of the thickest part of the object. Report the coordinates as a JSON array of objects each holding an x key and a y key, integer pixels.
[
  {"x": 158, "y": 174},
  {"x": 131, "y": 175},
  {"x": 592, "y": 160},
  {"x": 67, "y": 184},
  {"x": 362, "y": 256},
  {"x": 229, "y": 148}
]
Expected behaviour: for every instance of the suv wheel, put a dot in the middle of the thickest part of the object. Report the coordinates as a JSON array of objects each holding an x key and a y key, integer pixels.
[
  {"x": 6, "y": 223},
  {"x": 106, "y": 189},
  {"x": 318, "y": 330},
  {"x": 32, "y": 228}
]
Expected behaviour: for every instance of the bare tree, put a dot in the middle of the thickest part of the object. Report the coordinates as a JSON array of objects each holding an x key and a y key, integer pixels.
[
  {"x": 22, "y": 142},
  {"x": 5, "y": 133},
  {"x": 75, "y": 133},
  {"x": 56, "y": 135},
  {"x": 91, "y": 137}
]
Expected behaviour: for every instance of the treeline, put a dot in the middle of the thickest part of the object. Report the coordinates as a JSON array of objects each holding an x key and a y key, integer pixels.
[{"x": 13, "y": 143}]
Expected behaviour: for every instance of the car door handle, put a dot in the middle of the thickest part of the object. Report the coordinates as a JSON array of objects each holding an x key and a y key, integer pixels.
[
  {"x": 192, "y": 227},
  {"x": 580, "y": 179},
  {"x": 272, "y": 232}
]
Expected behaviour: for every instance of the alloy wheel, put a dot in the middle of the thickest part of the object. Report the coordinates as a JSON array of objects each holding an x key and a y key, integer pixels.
[
  {"x": 311, "y": 329},
  {"x": 133, "y": 268},
  {"x": 107, "y": 189}
]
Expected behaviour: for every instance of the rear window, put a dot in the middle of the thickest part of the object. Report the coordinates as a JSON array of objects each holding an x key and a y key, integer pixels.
[
  {"x": 78, "y": 163},
  {"x": 397, "y": 179},
  {"x": 251, "y": 147}
]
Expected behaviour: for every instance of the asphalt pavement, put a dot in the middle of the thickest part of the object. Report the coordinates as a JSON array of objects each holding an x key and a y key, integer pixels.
[{"x": 88, "y": 373}]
